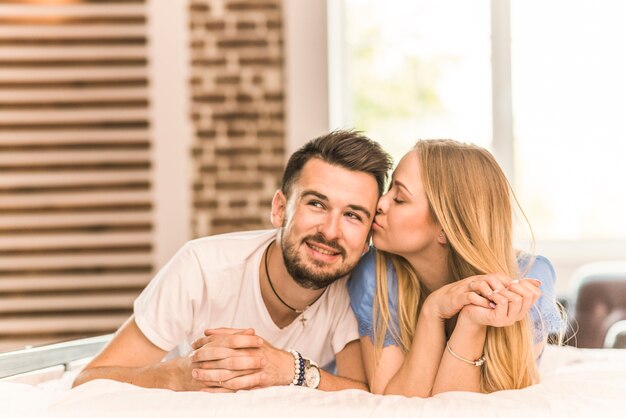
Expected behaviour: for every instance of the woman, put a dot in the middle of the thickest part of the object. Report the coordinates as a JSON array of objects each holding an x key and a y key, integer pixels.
[{"x": 443, "y": 303}]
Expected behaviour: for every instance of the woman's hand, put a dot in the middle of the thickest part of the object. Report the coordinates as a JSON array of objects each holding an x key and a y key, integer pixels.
[
  {"x": 507, "y": 305},
  {"x": 448, "y": 300}
]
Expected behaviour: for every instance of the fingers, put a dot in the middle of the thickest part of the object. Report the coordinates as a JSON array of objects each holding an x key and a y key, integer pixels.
[
  {"x": 209, "y": 353},
  {"x": 228, "y": 331},
  {"x": 229, "y": 341},
  {"x": 498, "y": 281},
  {"x": 476, "y": 299},
  {"x": 219, "y": 377},
  {"x": 534, "y": 282},
  {"x": 518, "y": 299},
  {"x": 248, "y": 381},
  {"x": 500, "y": 304},
  {"x": 529, "y": 293},
  {"x": 237, "y": 362},
  {"x": 484, "y": 288}
]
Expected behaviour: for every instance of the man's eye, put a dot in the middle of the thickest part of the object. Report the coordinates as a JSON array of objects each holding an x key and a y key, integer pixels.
[
  {"x": 353, "y": 215},
  {"x": 316, "y": 204}
]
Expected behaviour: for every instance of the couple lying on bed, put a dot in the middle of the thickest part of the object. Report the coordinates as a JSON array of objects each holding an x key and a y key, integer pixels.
[{"x": 441, "y": 302}]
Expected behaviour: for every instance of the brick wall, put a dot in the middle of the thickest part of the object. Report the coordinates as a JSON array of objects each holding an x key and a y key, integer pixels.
[{"x": 237, "y": 110}]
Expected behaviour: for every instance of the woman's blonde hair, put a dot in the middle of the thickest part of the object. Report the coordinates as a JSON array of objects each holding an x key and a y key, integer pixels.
[{"x": 470, "y": 199}]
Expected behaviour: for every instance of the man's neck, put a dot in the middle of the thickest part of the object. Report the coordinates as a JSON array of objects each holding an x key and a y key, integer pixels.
[{"x": 295, "y": 298}]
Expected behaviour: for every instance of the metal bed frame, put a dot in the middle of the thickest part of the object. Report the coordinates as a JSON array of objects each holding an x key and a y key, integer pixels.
[{"x": 32, "y": 359}]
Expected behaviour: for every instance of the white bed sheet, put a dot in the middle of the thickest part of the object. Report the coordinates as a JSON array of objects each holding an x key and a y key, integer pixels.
[{"x": 576, "y": 383}]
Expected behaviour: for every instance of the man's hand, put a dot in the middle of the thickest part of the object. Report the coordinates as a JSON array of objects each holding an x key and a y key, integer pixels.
[
  {"x": 131, "y": 357},
  {"x": 180, "y": 376},
  {"x": 237, "y": 359}
]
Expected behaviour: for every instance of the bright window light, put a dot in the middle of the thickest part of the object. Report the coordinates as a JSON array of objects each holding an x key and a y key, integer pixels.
[
  {"x": 416, "y": 70},
  {"x": 569, "y": 108}
]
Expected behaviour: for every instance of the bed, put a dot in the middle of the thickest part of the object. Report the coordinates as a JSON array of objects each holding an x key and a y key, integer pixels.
[{"x": 576, "y": 383}]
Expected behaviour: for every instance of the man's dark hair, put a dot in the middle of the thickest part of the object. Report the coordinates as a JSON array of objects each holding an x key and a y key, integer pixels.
[{"x": 348, "y": 149}]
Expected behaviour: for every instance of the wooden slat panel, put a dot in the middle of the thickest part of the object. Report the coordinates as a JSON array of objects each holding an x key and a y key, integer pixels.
[
  {"x": 71, "y": 74},
  {"x": 72, "y": 259},
  {"x": 75, "y": 220},
  {"x": 88, "y": 323},
  {"x": 76, "y": 232},
  {"x": 83, "y": 157},
  {"x": 20, "y": 342},
  {"x": 77, "y": 283},
  {"x": 77, "y": 115},
  {"x": 63, "y": 95},
  {"x": 33, "y": 304},
  {"x": 64, "y": 199},
  {"x": 10, "y": 181},
  {"x": 38, "y": 31},
  {"x": 42, "y": 53},
  {"x": 74, "y": 240},
  {"x": 96, "y": 136},
  {"x": 59, "y": 12}
]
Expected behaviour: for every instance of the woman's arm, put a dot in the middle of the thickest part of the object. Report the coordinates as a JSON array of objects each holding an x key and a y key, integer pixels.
[
  {"x": 414, "y": 374},
  {"x": 510, "y": 305},
  {"x": 410, "y": 374},
  {"x": 467, "y": 341}
]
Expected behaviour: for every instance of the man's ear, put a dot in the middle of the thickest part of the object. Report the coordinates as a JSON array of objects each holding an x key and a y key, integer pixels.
[
  {"x": 366, "y": 247},
  {"x": 279, "y": 207}
]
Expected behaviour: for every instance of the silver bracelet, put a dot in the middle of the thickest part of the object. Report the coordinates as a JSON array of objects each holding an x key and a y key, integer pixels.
[
  {"x": 476, "y": 363},
  {"x": 298, "y": 369}
]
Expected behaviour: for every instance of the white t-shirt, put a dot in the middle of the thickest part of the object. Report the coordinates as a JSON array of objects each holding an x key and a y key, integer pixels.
[{"x": 213, "y": 282}]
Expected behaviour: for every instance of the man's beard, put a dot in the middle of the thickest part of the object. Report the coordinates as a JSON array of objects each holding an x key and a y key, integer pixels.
[{"x": 304, "y": 275}]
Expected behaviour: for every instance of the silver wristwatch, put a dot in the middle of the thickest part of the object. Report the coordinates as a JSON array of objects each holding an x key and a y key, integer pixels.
[{"x": 312, "y": 374}]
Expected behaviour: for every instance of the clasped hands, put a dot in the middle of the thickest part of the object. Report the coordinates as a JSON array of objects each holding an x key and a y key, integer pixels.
[
  {"x": 491, "y": 299},
  {"x": 228, "y": 359}
]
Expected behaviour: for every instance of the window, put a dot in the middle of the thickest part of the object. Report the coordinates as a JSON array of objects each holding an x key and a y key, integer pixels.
[
  {"x": 569, "y": 108},
  {"x": 418, "y": 69},
  {"x": 409, "y": 75}
]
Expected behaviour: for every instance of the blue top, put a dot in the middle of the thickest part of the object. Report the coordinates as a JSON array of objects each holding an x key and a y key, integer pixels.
[{"x": 545, "y": 319}]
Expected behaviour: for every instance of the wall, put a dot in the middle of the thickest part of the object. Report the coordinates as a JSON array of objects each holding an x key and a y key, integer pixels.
[{"x": 237, "y": 111}]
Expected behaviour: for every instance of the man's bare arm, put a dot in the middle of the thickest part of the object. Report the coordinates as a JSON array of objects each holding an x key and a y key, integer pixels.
[
  {"x": 132, "y": 358},
  {"x": 350, "y": 370}
]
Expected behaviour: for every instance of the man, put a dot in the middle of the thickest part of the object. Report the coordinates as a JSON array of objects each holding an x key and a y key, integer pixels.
[{"x": 236, "y": 296}]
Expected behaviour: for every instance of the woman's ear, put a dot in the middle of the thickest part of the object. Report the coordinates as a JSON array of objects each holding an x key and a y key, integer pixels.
[
  {"x": 279, "y": 207},
  {"x": 441, "y": 238}
]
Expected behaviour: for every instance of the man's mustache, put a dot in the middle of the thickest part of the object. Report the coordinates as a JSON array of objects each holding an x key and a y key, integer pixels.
[{"x": 319, "y": 238}]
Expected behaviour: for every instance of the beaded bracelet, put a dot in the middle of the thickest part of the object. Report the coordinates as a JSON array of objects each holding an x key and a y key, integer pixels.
[{"x": 298, "y": 374}]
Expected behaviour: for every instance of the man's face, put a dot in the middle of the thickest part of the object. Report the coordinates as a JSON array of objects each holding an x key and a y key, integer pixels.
[{"x": 325, "y": 223}]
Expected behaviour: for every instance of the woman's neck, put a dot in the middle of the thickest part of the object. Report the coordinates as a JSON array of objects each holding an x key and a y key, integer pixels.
[{"x": 432, "y": 269}]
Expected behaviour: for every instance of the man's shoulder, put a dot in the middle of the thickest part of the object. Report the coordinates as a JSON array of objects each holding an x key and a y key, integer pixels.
[{"x": 229, "y": 248}]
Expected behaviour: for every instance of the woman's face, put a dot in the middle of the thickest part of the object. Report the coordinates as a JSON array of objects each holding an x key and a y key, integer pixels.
[{"x": 403, "y": 224}]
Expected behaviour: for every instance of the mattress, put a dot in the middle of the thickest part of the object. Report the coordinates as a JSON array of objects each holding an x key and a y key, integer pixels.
[{"x": 575, "y": 383}]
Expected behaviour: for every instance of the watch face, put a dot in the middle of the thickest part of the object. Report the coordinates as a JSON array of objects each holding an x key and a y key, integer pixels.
[{"x": 312, "y": 377}]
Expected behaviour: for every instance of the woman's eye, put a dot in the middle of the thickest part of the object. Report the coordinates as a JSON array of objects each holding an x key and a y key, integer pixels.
[{"x": 398, "y": 201}]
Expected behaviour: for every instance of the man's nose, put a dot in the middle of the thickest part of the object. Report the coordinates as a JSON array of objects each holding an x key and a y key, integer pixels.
[{"x": 330, "y": 228}]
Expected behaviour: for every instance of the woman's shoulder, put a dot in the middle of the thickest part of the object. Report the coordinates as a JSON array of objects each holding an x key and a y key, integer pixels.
[
  {"x": 363, "y": 277},
  {"x": 539, "y": 267},
  {"x": 546, "y": 317}
]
